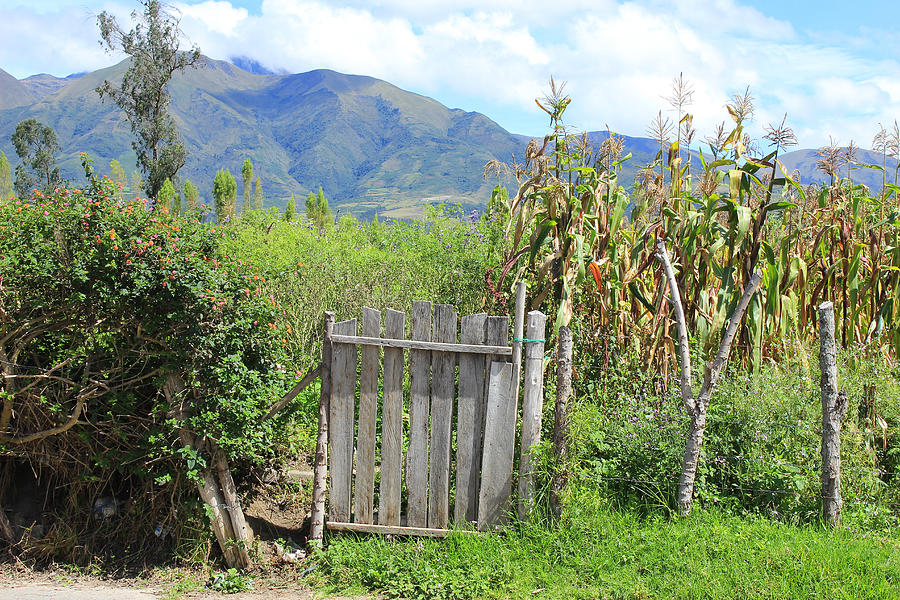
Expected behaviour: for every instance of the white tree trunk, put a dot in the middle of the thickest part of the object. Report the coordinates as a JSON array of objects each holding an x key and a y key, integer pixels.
[{"x": 834, "y": 407}]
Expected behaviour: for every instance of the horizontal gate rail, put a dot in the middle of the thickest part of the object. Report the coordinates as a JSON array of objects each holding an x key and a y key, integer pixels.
[{"x": 420, "y": 345}]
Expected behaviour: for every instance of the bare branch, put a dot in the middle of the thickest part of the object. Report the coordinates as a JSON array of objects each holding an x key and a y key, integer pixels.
[
  {"x": 714, "y": 369},
  {"x": 307, "y": 379},
  {"x": 684, "y": 354}
]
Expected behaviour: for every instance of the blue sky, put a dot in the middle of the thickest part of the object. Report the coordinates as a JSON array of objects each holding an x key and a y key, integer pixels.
[{"x": 831, "y": 66}]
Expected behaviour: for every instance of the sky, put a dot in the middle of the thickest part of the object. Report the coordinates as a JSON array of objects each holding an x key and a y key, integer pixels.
[{"x": 833, "y": 68}]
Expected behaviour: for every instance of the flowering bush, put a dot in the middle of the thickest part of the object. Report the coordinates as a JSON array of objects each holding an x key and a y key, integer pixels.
[{"x": 102, "y": 299}]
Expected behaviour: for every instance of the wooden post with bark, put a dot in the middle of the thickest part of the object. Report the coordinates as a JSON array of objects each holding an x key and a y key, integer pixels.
[
  {"x": 561, "y": 418},
  {"x": 320, "y": 469},
  {"x": 696, "y": 407},
  {"x": 834, "y": 407},
  {"x": 532, "y": 407}
]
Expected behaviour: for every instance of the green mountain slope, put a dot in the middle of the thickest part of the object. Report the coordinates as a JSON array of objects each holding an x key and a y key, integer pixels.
[
  {"x": 13, "y": 92},
  {"x": 370, "y": 145}
]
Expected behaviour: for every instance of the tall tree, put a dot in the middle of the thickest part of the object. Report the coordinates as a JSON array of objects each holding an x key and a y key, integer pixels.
[
  {"x": 191, "y": 195},
  {"x": 225, "y": 194},
  {"x": 6, "y": 183},
  {"x": 247, "y": 174},
  {"x": 154, "y": 47},
  {"x": 257, "y": 194},
  {"x": 290, "y": 209},
  {"x": 117, "y": 174},
  {"x": 36, "y": 146}
]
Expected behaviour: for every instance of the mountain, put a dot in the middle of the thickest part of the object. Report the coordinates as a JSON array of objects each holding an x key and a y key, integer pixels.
[
  {"x": 371, "y": 146},
  {"x": 13, "y": 92},
  {"x": 43, "y": 85}
]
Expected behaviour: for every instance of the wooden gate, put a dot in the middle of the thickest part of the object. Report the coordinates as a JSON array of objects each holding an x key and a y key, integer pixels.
[{"x": 448, "y": 440}]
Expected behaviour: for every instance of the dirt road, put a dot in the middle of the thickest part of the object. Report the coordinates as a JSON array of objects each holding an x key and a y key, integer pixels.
[{"x": 44, "y": 589}]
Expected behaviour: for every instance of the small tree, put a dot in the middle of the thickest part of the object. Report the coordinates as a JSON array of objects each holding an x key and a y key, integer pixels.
[
  {"x": 191, "y": 195},
  {"x": 290, "y": 209},
  {"x": 697, "y": 406},
  {"x": 225, "y": 194},
  {"x": 247, "y": 174},
  {"x": 257, "y": 194},
  {"x": 154, "y": 47},
  {"x": 137, "y": 184},
  {"x": 117, "y": 174},
  {"x": 36, "y": 146},
  {"x": 317, "y": 210},
  {"x": 6, "y": 184},
  {"x": 166, "y": 196}
]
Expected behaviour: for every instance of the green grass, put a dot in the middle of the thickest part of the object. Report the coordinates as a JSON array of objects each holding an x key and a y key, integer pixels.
[{"x": 600, "y": 553}]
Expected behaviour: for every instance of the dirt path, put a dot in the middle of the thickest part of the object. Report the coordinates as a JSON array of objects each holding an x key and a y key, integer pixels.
[{"x": 50, "y": 586}]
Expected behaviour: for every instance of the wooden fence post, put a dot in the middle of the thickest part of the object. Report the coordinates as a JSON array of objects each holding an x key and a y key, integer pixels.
[
  {"x": 834, "y": 407},
  {"x": 320, "y": 473},
  {"x": 561, "y": 418},
  {"x": 532, "y": 406}
]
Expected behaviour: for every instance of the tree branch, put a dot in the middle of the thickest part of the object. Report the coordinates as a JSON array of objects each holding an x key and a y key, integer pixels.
[
  {"x": 684, "y": 351},
  {"x": 714, "y": 369},
  {"x": 304, "y": 383}
]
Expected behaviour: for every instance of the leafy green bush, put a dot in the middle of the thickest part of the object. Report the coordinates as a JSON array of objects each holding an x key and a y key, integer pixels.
[
  {"x": 761, "y": 450},
  {"x": 101, "y": 300}
]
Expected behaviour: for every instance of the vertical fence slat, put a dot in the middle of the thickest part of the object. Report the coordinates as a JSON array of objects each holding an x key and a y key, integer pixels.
[
  {"x": 499, "y": 446},
  {"x": 532, "y": 406},
  {"x": 368, "y": 411},
  {"x": 468, "y": 437},
  {"x": 443, "y": 376},
  {"x": 341, "y": 422},
  {"x": 419, "y": 391},
  {"x": 496, "y": 334},
  {"x": 392, "y": 422}
]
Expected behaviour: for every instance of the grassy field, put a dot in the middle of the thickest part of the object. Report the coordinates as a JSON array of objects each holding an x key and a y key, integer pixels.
[{"x": 597, "y": 552}]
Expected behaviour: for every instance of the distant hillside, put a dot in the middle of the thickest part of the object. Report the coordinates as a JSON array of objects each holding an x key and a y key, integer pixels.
[
  {"x": 371, "y": 146},
  {"x": 13, "y": 92}
]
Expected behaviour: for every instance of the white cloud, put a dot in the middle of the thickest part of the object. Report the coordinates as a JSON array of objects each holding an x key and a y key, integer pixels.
[
  {"x": 62, "y": 43},
  {"x": 618, "y": 57},
  {"x": 219, "y": 16}
]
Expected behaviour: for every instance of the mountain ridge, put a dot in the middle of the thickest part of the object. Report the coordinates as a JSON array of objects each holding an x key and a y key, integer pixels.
[{"x": 372, "y": 146}]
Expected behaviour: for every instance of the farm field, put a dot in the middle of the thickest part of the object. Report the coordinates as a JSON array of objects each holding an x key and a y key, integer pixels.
[{"x": 404, "y": 353}]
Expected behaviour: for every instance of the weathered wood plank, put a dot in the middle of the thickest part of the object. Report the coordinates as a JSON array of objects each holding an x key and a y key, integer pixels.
[
  {"x": 496, "y": 334},
  {"x": 468, "y": 431},
  {"x": 421, "y": 345},
  {"x": 419, "y": 391},
  {"x": 368, "y": 413},
  {"x": 532, "y": 407},
  {"x": 499, "y": 446},
  {"x": 393, "y": 530},
  {"x": 341, "y": 422},
  {"x": 392, "y": 423},
  {"x": 442, "y": 388}
]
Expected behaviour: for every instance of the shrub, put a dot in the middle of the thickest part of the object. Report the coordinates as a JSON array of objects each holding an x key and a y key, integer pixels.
[{"x": 100, "y": 301}]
